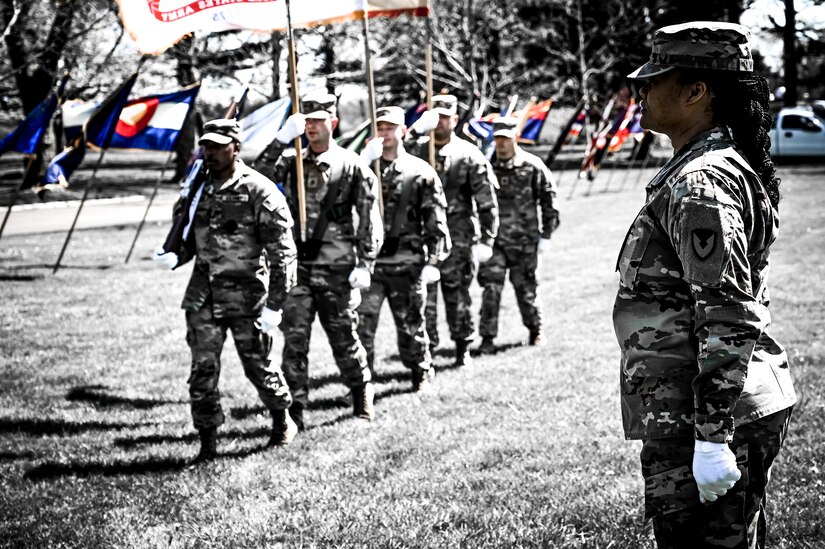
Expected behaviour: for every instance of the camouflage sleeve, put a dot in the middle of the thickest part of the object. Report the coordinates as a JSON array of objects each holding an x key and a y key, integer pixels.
[
  {"x": 369, "y": 234},
  {"x": 275, "y": 230},
  {"x": 483, "y": 183},
  {"x": 434, "y": 213},
  {"x": 270, "y": 163},
  {"x": 709, "y": 237},
  {"x": 417, "y": 146},
  {"x": 547, "y": 193}
]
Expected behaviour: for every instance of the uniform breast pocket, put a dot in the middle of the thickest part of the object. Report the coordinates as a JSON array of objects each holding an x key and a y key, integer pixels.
[
  {"x": 233, "y": 214},
  {"x": 633, "y": 249}
]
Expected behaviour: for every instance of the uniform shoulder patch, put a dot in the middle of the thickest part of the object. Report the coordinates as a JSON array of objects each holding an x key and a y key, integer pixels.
[{"x": 705, "y": 232}]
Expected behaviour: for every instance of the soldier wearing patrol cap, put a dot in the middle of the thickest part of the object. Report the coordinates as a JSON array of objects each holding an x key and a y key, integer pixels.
[
  {"x": 244, "y": 267},
  {"x": 416, "y": 242},
  {"x": 472, "y": 216},
  {"x": 343, "y": 236},
  {"x": 703, "y": 384},
  {"x": 527, "y": 219}
]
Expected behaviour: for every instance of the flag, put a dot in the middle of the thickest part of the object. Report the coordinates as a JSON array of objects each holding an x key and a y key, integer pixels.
[
  {"x": 622, "y": 132},
  {"x": 356, "y": 139},
  {"x": 536, "y": 117},
  {"x": 26, "y": 138},
  {"x": 154, "y": 122},
  {"x": 576, "y": 127},
  {"x": 599, "y": 145},
  {"x": 156, "y": 25},
  {"x": 98, "y": 130},
  {"x": 260, "y": 127},
  {"x": 414, "y": 113},
  {"x": 75, "y": 115}
]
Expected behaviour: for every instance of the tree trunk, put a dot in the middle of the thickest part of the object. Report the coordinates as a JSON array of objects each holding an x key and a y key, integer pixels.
[
  {"x": 789, "y": 38},
  {"x": 277, "y": 48}
]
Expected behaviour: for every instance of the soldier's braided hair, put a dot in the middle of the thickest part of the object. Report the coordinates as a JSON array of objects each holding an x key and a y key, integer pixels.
[{"x": 740, "y": 101}]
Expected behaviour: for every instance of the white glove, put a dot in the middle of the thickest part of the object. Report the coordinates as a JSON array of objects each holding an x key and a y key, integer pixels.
[
  {"x": 294, "y": 127},
  {"x": 269, "y": 319},
  {"x": 430, "y": 274},
  {"x": 360, "y": 278},
  {"x": 164, "y": 258},
  {"x": 354, "y": 299},
  {"x": 544, "y": 245},
  {"x": 714, "y": 468},
  {"x": 427, "y": 122},
  {"x": 373, "y": 150},
  {"x": 482, "y": 253}
]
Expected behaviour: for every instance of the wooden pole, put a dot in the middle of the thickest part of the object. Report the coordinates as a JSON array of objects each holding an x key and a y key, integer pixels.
[
  {"x": 299, "y": 156},
  {"x": 371, "y": 94},
  {"x": 17, "y": 190},
  {"x": 149, "y": 205},
  {"x": 428, "y": 61}
]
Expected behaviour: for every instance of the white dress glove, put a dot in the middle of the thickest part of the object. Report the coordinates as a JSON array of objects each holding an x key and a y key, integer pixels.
[
  {"x": 354, "y": 299},
  {"x": 482, "y": 253},
  {"x": 427, "y": 122},
  {"x": 294, "y": 127},
  {"x": 164, "y": 258},
  {"x": 714, "y": 468},
  {"x": 544, "y": 245},
  {"x": 373, "y": 150},
  {"x": 430, "y": 274},
  {"x": 269, "y": 319},
  {"x": 360, "y": 278}
]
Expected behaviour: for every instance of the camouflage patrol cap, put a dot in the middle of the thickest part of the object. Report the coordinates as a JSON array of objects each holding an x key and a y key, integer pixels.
[
  {"x": 391, "y": 115},
  {"x": 318, "y": 104},
  {"x": 446, "y": 105},
  {"x": 222, "y": 131},
  {"x": 698, "y": 45},
  {"x": 504, "y": 126}
]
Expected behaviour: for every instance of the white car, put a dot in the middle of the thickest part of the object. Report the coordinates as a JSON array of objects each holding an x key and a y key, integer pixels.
[{"x": 797, "y": 131}]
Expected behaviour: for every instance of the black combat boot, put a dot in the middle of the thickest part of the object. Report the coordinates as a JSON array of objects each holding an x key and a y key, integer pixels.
[
  {"x": 284, "y": 428},
  {"x": 535, "y": 337},
  {"x": 487, "y": 346},
  {"x": 462, "y": 353},
  {"x": 422, "y": 380},
  {"x": 296, "y": 412},
  {"x": 363, "y": 401},
  {"x": 209, "y": 445}
]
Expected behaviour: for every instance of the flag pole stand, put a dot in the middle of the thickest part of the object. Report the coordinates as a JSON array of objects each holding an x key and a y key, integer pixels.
[
  {"x": 630, "y": 165},
  {"x": 17, "y": 194},
  {"x": 149, "y": 205},
  {"x": 77, "y": 215}
]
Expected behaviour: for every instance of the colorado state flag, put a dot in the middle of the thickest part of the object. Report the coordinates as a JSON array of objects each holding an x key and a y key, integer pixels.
[{"x": 154, "y": 122}]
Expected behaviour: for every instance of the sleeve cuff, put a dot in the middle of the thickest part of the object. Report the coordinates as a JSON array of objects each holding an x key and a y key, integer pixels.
[{"x": 713, "y": 428}]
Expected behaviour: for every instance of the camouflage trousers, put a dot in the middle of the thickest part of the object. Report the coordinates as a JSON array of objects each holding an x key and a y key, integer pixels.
[
  {"x": 401, "y": 286},
  {"x": 321, "y": 289},
  {"x": 457, "y": 274},
  {"x": 735, "y": 520},
  {"x": 522, "y": 262},
  {"x": 206, "y": 335}
]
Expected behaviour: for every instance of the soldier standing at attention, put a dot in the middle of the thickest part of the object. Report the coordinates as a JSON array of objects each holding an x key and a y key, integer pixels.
[
  {"x": 703, "y": 385},
  {"x": 244, "y": 267},
  {"x": 472, "y": 218},
  {"x": 525, "y": 187},
  {"x": 344, "y": 235},
  {"x": 416, "y": 242}
]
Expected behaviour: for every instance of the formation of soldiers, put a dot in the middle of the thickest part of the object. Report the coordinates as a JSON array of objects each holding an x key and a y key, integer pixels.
[{"x": 394, "y": 224}]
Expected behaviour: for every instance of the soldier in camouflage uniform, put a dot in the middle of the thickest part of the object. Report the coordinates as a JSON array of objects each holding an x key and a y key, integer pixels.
[
  {"x": 525, "y": 187},
  {"x": 244, "y": 267},
  {"x": 472, "y": 217},
  {"x": 416, "y": 242},
  {"x": 343, "y": 236},
  {"x": 703, "y": 384}
]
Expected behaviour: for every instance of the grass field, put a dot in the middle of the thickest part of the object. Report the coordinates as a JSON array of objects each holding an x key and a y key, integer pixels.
[{"x": 524, "y": 449}]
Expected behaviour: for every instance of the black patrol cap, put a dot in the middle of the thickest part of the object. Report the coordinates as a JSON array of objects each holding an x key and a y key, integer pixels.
[{"x": 222, "y": 131}]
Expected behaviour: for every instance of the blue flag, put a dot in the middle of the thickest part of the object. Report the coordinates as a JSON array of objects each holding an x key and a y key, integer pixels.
[
  {"x": 26, "y": 138},
  {"x": 154, "y": 122}
]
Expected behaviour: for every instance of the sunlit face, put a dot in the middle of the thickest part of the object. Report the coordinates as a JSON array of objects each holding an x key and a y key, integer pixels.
[
  {"x": 392, "y": 134},
  {"x": 446, "y": 125},
  {"x": 319, "y": 131},
  {"x": 220, "y": 159}
]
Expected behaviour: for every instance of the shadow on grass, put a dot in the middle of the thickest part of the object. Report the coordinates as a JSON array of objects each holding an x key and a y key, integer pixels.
[
  {"x": 503, "y": 348},
  {"x": 101, "y": 396},
  {"x": 51, "y": 266},
  {"x": 21, "y": 277},
  {"x": 11, "y": 456},
  {"x": 58, "y": 427}
]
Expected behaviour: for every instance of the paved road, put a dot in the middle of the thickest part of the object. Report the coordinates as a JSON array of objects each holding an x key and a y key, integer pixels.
[{"x": 107, "y": 212}]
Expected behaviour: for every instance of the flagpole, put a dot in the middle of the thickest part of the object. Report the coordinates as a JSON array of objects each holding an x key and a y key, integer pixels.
[
  {"x": 77, "y": 215},
  {"x": 17, "y": 190},
  {"x": 299, "y": 155},
  {"x": 633, "y": 156},
  {"x": 371, "y": 95},
  {"x": 149, "y": 205},
  {"x": 428, "y": 62}
]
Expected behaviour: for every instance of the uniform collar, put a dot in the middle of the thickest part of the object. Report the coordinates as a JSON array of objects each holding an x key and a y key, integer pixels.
[
  {"x": 240, "y": 171},
  {"x": 717, "y": 137}
]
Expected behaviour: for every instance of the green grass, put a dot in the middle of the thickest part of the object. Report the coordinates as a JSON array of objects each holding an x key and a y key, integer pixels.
[{"x": 522, "y": 450}]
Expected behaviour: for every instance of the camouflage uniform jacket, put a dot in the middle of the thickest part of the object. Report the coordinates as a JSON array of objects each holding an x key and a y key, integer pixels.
[
  {"x": 354, "y": 233},
  {"x": 467, "y": 177},
  {"x": 423, "y": 236},
  {"x": 524, "y": 185},
  {"x": 245, "y": 254},
  {"x": 692, "y": 309}
]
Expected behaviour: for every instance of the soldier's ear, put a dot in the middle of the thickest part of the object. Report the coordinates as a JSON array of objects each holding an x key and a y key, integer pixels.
[
  {"x": 333, "y": 122},
  {"x": 698, "y": 91}
]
